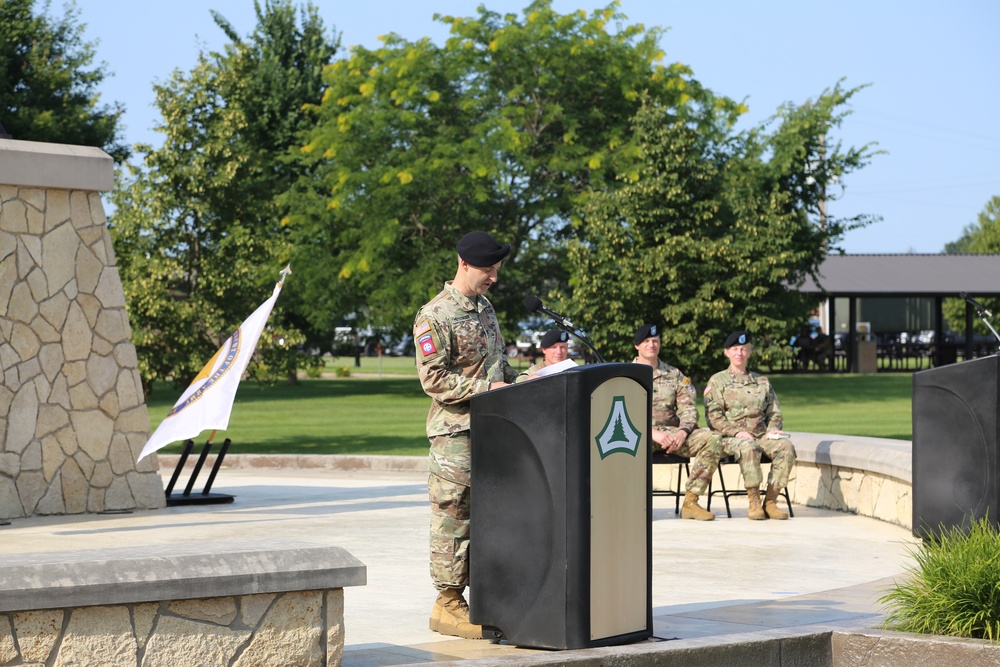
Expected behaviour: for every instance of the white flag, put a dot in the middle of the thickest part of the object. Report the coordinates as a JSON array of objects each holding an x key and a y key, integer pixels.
[{"x": 208, "y": 401}]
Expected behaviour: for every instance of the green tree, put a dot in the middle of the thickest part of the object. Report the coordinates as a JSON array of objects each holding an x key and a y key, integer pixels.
[
  {"x": 506, "y": 128},
  {"x": 49, "y": 82},
  {"x": 981, "y": 237},
  {"x": 198, "y": 227},
  {"x": 714, "y": 235}
]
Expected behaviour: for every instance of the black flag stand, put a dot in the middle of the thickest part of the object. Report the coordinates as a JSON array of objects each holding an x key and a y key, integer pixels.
[{"x": 205, "y": 497}]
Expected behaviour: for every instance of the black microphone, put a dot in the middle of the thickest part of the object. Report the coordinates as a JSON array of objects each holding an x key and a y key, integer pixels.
[
  {"x": 534, "y": 305},
  {"x": 964, "y": 295}
]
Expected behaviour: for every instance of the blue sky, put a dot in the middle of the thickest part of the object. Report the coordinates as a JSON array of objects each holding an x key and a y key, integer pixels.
[{"x": 934, "y": 70}]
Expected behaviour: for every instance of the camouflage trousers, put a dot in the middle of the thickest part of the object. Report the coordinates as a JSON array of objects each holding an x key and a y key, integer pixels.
[
  {"x": 747, "y": 453},
  {"x": 448, "y": 491},
  {"x": 704, "y": 448}
]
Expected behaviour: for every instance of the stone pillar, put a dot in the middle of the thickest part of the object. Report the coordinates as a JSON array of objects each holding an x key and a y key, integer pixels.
[{"x": 72, "y": 415}]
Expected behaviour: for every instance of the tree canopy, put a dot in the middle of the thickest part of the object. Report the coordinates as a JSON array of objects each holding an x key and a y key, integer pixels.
[
  {"x": 620, "y": 181},
  {"x": 980, "y": 237},
  {"x": 714, "y": 235},
  {"x": 49, "y": 81},
  {"x": 198, "y": 226},
  {"x": 508, "y": 127}
]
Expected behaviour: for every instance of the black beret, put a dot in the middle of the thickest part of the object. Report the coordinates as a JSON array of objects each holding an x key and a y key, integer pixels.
[
  {"x": 480, "y": 249},
  {"x": 646, "y": 331},
  {"x": 737, "y": 338},
  {"x": 552, "y": 337}
]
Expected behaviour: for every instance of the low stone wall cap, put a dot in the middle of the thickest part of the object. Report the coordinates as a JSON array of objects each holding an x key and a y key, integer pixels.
[{"x": 149, "y": 573}]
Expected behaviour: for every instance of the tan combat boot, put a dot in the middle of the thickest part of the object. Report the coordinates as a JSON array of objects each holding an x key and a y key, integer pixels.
[
  {"x": 435, "y": 621},
  {"x": 755, "y": 512},
  {"x": 451, "y": 614},
  {"x": 691, "y": 509},
  {"x": 770, "y": 506}
]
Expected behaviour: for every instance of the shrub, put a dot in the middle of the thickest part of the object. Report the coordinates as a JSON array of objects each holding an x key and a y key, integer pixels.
[
  {"x": 343, "y": 371},
  {"x": 954, "y": 587},
  {"x": 314, "y": 365}
]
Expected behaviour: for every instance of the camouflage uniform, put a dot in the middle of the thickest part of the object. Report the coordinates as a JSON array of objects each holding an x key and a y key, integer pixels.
[
  {"x": 735, "y": 403},
  {"x": 675, "y": 409},
  {"x": 460, "y": 351},
  {"x": 534, "y": 368}
]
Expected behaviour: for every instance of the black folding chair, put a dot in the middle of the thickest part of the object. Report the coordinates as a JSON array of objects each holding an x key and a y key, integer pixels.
[
  {"x": 727, "y": 493},
  {"x": 661, "y": 458}
]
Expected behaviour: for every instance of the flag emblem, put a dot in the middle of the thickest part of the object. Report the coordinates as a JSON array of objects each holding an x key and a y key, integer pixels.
[{"x": 232, "y": 354}]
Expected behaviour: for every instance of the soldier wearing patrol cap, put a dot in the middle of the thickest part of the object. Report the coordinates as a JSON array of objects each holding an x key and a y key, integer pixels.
[
  {"x": 675, "y": 422},
  {"x": 460, "y": 353},
  {"x": 742, "y": 406},
  {"x": 555, "y": 348}
]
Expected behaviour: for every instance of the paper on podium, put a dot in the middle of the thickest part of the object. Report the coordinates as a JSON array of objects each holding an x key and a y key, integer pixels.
[{"x": 556, "y": 368}]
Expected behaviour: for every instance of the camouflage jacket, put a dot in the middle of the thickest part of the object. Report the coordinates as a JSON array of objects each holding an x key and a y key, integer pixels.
[
  {"x": 673, "y": 398},
  {"x": 735, "y": 403},
  {"x": 460, "y": 351},
  {"x": 531, "y": 370}
]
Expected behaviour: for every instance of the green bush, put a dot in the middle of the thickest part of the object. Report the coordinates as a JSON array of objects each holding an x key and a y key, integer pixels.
[
  {"x": 954, "y": 587},
  {"x": 343, "y": 371},
  {"x": 314, "y": 365}
]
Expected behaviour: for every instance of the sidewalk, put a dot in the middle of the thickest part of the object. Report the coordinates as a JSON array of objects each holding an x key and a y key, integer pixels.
[{"x": 709, "y": 578}]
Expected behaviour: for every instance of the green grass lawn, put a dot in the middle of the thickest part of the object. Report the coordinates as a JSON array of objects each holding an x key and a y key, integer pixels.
[
  {"x": 379, "y": 409},
  {"x": 368, "y": 414},
  {"x": 873, "y": 405}
]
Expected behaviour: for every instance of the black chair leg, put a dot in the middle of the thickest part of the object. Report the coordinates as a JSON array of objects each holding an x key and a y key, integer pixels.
[
  {"x": 677, "y": 493},
  {"x": 725, "y": 494},
  {"x": 788, "y": 500},
  {"x": 675, "y": 490}
]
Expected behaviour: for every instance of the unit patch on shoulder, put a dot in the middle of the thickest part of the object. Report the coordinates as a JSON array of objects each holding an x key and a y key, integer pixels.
[{"x": 426, "y": 345}]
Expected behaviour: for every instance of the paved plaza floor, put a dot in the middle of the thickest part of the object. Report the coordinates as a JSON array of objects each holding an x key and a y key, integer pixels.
[{"x": 709, "y": 578}]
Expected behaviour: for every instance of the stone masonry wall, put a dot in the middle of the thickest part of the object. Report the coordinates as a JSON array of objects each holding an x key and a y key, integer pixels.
[
  {"x": 72, "y": 414},
  {"x": 842, "y": 488},
  {"x": 295, "y": 628}
]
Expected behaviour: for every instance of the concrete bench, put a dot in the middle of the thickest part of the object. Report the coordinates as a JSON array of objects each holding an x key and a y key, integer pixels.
[{"x": 246, "y": 602}]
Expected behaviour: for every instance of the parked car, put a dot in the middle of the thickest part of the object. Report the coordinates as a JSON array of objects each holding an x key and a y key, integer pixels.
[{"x": 402, "y": 347}]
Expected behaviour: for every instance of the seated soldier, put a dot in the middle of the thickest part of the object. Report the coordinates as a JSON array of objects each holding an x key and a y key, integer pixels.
[
  {"x": 742, "y": 406},
  {"x": 555, "y": 348},
  {"x": 675, "y": 422}
]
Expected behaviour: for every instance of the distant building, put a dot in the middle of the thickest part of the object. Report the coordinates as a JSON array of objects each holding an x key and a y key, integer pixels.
[{"x": 882, "y": 296}]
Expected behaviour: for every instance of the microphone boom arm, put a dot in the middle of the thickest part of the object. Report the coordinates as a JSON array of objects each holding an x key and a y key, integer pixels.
[
  {"x": 982, "y": 312},
  {"x": 982, "y": 316},
  {"x": 583, "y": 339},
  {"x": 534, "y": 305}
]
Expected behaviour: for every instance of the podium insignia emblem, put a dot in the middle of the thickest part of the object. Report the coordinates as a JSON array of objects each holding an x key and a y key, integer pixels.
[{"x": 618, "y": 434}]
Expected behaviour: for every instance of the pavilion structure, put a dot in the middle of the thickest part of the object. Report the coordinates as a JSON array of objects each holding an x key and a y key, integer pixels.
[{"x": 920, "y": 280}]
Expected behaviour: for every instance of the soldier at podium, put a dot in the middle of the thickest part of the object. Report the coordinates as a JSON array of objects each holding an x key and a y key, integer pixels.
[
  {"x": 460, "y": 353},
  {"x": 675, "y": 422}
]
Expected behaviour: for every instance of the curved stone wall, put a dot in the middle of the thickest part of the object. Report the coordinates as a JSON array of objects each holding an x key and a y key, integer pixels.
[
  {"x": 72, "y": 414},
  {"x": 865, "y": 476}
]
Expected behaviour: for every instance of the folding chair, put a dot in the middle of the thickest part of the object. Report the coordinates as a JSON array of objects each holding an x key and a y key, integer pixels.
[
  {"x": 660, "y": 458},
  {"x": 726, "y": 493}
]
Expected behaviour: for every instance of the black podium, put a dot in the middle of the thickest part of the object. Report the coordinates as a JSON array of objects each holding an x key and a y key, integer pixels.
[
  {"x": 560, "y": 555},
  {"x": 956, "y": 445}
]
